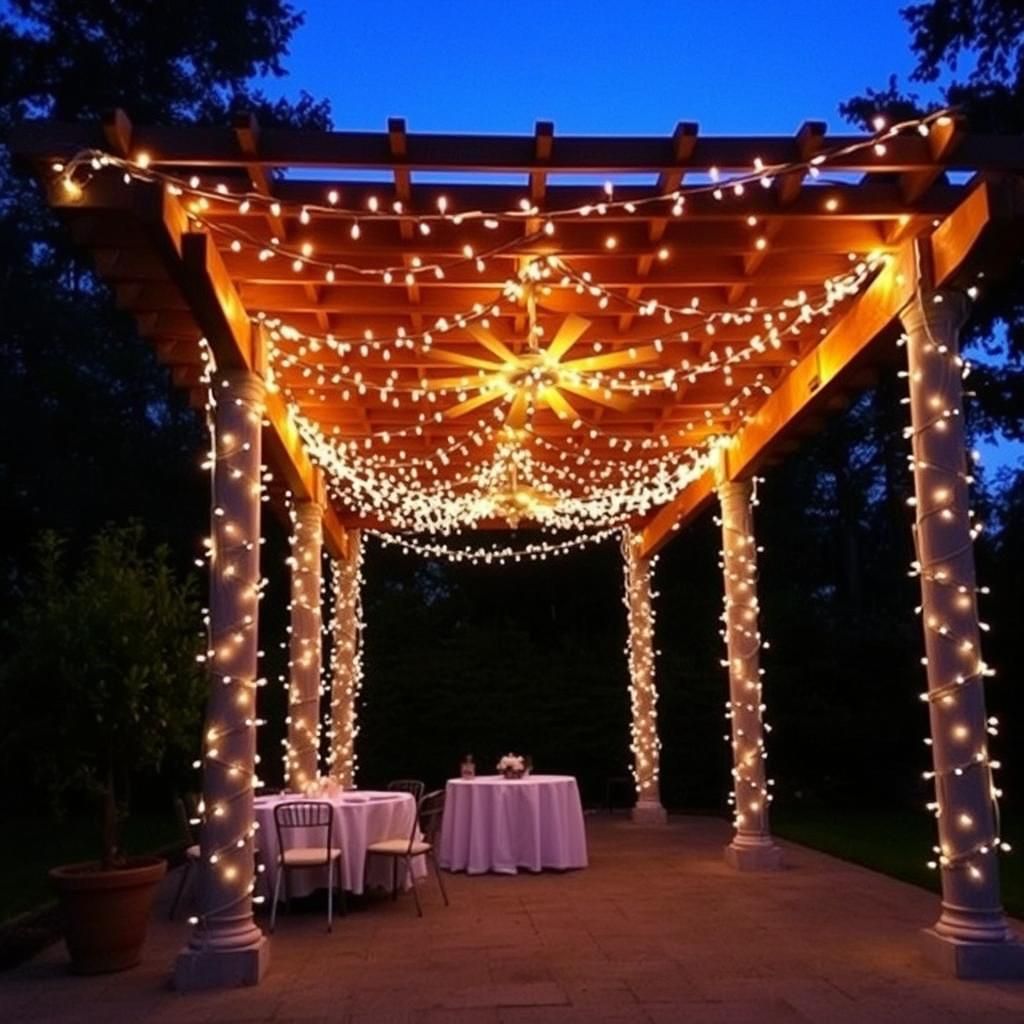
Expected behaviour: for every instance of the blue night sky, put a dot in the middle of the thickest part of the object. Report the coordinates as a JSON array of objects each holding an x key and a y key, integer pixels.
[
  {"x": 633, "y": 69},
  {"x": 455, "y": 65}
]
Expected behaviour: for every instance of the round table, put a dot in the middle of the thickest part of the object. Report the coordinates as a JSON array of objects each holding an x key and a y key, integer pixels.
[
  {"x": 496, "y": 824},
  {"x": 361, "y": 817}
]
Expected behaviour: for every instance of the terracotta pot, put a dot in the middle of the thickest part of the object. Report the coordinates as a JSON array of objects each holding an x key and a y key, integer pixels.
[{"x": 106, "y": 912}]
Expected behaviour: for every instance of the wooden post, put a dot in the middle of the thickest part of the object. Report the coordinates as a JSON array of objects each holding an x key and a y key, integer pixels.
[
  {"x": 643, "y": 694},
  {"x": 346, "y": 663},
  {"x": 752, "y": 847},
  {"x": 971, "y": 937},
  {"x": 227, "y": 948},
  {"x": 303, "y": 742}
]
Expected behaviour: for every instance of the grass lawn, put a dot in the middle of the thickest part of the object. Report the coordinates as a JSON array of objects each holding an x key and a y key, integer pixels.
[
  {"x": 37, "y": 845},
  {"x": 895, "y": 842}
]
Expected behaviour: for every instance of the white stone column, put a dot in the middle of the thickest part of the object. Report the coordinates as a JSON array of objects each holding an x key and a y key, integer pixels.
[
  {"x": 305, "y": 643},
  {"x": 971, "y": 937},
  {"x": 752, "y": 847},
  {"x": 346, "y": 662},
  {"x": 643, "y": 695},
  {"x": 226, "y": 947}
]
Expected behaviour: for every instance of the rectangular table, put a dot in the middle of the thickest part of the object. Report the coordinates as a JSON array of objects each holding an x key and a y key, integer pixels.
[{"x": 496, "y": 824}]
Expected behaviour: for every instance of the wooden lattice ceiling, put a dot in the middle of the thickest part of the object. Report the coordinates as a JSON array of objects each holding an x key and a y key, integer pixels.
[{"x": 182, "y": 277}]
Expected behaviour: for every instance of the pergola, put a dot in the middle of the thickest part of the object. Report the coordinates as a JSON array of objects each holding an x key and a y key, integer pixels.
[{"x": 407, "y": 333}]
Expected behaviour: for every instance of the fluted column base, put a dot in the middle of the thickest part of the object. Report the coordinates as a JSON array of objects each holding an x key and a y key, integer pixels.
[
  {"x": 744, "y": 855},
  {"x": 959, "y": 958},
  {"x": 211, "y": 966},
  {"x": 649, "y": 812}
]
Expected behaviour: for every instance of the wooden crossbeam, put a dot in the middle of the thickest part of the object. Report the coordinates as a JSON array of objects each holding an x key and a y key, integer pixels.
[
  {"x": 543, "y": 134},
  {"x": 403, "y": 193},
  {"x": 943, "y": 138},
  {"x": 809, "y": 140},
  {"x": 671, "y": 517},
  {"x": 193, "y": 263},
  {"x": 180, "y": 281},
  {"x": 214, "y": 147},
  {"x": 949, "y": 249}
]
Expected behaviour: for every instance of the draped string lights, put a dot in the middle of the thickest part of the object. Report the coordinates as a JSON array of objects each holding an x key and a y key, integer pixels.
[
  {"x": 640, "y": 652},
  {"x": 346, "y": 662},
  {"x": 741, "y": 634},
  {"x": 327, "y": 364},
  {"x": 532, "y": 552},
  {"x": 453, "y": 486},
  {"x": 966, "y": 800},
  {"x": 234, "y": 416},
  {"x": 204, "y": 199},
  {"x": 442, "y": 469}
]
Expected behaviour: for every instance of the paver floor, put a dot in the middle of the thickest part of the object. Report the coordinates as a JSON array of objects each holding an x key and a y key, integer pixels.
[{"x": 657, "y": 930}]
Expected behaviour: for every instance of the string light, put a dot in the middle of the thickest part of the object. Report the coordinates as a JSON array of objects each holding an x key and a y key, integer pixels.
[
  {"x": 346, "y": 662},
  {"x": 944, "y": 529},
  {"x": 640, "y": 654},
  {"x": 304, "y": 681},
  {"x": 234, "y": 416},
  {"x": 742, "y": 636},
  {"x": 201, "y": 200},
  {"x": 535, "y": 551}
]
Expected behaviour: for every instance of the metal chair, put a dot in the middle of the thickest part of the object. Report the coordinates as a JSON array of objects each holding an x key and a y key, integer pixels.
[
  {"x": 413, "y": 786},
  {"x": 422, "y": 842},
  {"x": 305, "y": 815},
  {"x": 186, "y": 814}
]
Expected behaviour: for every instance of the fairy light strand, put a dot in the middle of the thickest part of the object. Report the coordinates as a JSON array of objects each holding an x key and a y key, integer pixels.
[
  {"x": 948, "y": 609},
  {"x": 202, "y": 198},
  {"x": 741, "y": 634},
  {"x": 230, "y": 555},
  {"x": 303, "y": 681},
  {"x": 346, "y": 662},
  {"x": 638, "y": 600}
]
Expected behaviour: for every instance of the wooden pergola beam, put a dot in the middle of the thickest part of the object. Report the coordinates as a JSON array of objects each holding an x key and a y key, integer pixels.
[
  {"x": 949, "y": 249},
  {"x": 180, "y": 282},
  {"x": 188, "y": 146},
  {"x": 673, "y": 516},
  {"x": 809, "y": 140},
  {"x": 222, "y": 317},
  {"x": 195, "y": 266}
]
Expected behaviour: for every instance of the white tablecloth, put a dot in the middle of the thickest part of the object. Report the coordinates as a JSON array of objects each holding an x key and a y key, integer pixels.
[
  {"x": 497, "y": 824},
  {"x": 360, "y": 818}
]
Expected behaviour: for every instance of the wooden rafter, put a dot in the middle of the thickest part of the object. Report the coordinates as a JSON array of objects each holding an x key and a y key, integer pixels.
[
  {"x": 988, "y": 208},
  {"x": 213, "y": 147},
  {"x": 181, "y": 278}
]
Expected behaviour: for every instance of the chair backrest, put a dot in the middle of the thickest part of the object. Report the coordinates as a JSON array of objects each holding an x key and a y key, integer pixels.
[
  {"x": 431, "y": 815},
  {"x": 304, "y": 814},
  {"x": 185, "y": 811},
  {"x": 413, "y": 786}
]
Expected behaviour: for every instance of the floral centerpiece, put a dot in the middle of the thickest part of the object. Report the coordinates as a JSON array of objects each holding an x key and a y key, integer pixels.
[
  {"x": 321, "y": 786},
  {"x": 512, "y": 766}
]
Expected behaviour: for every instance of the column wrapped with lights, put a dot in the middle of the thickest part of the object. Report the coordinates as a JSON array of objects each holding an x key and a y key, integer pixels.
[
  {"x": 752, "y": 847},
  {"x": 303, "y": 741},
  {"x": 226, "y": 946},
  {"x": 643, "y": 695},
  {"x": 971, "y": 937},
  {"x": 346, "y": 662}
]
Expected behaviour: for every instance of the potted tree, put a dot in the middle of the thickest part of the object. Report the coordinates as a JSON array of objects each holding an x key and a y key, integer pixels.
[{"x": 105, "y": 680}]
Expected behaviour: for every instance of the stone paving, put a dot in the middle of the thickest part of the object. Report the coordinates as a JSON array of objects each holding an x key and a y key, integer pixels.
[{"x": 658, "y": 930}]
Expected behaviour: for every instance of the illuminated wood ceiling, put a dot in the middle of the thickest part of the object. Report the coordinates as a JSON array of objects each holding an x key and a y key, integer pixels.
[{"x": 754, "y": 248}]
